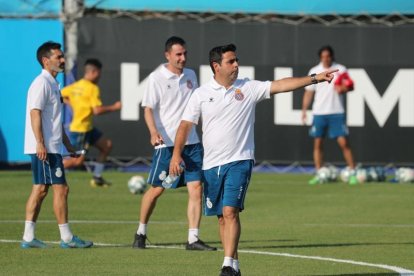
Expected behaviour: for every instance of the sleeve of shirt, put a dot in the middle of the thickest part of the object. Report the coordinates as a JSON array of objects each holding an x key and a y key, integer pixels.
[
  {"x": 311, "y": 87},
  {"x": 151, "y": 96},
  {"x": 65, "y": 92},
  {"x": 261, "y": 89},
  {"x": 192, "y": 111},
  {"x": 38, "y": 95},
  {"x": 96, "y": 97}
]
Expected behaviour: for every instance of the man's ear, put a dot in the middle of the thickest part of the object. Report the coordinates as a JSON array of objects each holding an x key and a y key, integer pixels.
[
  {"x": 216, "y": 66},
  {"x": 44, "y": 61}
]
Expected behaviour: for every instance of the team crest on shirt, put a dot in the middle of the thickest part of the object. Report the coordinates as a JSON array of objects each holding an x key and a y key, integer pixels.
[
  {"x": 189, "y": 84},
  {"x": 238, "y": 95},
  {"x": 209, "y": 203},
  {"x": 58, "y": 172}
]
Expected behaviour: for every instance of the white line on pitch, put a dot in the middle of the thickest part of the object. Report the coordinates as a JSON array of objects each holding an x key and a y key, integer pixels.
[
  {"x": 183, "y": 222},
  {"x": 401, "y": 271}
]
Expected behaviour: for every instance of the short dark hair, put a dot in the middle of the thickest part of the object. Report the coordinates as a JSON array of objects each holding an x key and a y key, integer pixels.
[
  {"x": 172, "y": 41},
  {"x": 326, "y": 48},
  {"x": 45, "y": 50},
  {"x": 216, "y": 54},
  {"x": 94, "y": 62}
]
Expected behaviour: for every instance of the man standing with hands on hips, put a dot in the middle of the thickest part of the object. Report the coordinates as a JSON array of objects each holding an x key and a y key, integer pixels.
[
  {"x": 227, "y": 105},
  {"x": 44, "y": 136}
]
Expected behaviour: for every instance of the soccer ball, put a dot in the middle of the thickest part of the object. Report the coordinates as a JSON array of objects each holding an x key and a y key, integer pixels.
[
  {"x": 323, "y": 175},
  {"x": 346, "y": 173},
  {"x": 361, "y": 175},
  {"x": 404, "y": 175},
  {"x": 137, "y": 184},
  {"x": 333, "y": 173}
]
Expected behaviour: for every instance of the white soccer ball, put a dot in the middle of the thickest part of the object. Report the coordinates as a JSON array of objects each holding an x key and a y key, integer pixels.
[
  {"x": 137, "y": 184},
  {"x": 362, "y": 175},
  {"x": 323, "y": 175},
  {"x": 404, "y": 175},
  {"x": 333, "y": 173},
  {"x": 346, "y": 173}
]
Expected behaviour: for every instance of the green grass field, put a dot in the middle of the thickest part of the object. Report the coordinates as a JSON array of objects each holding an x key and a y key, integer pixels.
[{"x": 371, "y": 223}]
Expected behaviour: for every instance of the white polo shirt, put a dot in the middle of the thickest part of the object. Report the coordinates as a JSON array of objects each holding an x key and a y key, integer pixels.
[
  {"x": 44, "y": 94},
  {"x": 327, "y": 100},
  {"x": 167, "y": 95},
  {"x": 228, "y": 119}
]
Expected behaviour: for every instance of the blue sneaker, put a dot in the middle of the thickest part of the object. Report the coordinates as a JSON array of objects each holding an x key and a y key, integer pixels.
[
  {"x": 76, "y": 242},
  {"x": 35, "y": 243}
]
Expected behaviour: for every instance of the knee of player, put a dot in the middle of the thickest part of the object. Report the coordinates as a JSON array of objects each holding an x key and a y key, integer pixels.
[
  {"x": 40, "y": 191},
  {"x": 220, "y": 220},
  {"x": 230, "y": 213},
  {"x": 109, "y": 145}
]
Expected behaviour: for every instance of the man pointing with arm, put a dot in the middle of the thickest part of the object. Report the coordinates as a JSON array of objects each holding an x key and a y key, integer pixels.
[{"x": 227, "y": 107}]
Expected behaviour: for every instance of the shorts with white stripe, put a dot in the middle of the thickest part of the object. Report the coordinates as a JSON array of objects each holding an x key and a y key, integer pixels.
[{"x": 48, "y": 172}]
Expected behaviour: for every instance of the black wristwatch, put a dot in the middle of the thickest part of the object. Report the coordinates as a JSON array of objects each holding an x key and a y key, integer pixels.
[{"x": 313, "y": 79}]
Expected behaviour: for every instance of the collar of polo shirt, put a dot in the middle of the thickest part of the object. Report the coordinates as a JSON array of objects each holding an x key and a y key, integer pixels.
[
  {"x": 49, "y": 77},
  {"x": 167, "y": 73},
  {"x": 216, "y": 86}
]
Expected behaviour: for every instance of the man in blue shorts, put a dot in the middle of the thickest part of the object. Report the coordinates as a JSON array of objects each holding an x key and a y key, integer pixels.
[
  {"x": 227, "y": 105},
  {"x": 169, "y": 89},
  {"x": 328, "y": 111},
  {"x": 44, "y": 136}
]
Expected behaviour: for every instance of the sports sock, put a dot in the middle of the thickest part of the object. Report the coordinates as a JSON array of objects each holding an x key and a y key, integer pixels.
[
  {"x": 142, "y": 229},
  {"x": 236, "y": 265},
  {"x": 228, "y": 261},
  {"x": 193, "y": 235},
  {"x": 65, "y": 233},
  {"x": 29, "y": 230},
  {"x": 99, "y": 167}
]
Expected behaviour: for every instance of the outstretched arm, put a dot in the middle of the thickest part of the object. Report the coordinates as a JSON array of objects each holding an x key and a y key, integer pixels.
[
  {"x": 180, "y": 140},
  {"x": 289, "y": 84},
  {"x": 99, "y": 110}
]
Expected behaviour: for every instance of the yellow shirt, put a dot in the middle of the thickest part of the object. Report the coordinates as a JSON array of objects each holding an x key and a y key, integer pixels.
[{"x": 83, "y": 96}]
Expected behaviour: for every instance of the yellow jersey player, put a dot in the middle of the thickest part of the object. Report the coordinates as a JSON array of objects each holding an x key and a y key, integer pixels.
[{"x": 84, "y": 98}]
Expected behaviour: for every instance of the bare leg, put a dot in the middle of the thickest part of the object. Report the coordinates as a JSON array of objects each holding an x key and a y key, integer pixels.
[
  {"x": 232, "y": 230},
  {"x": 343, "y": 143},
  {"x": 104, "y": 146},
  {"x": 60, "y": 203},
  {"x": 194, "y": 204},
  {"x": 318, "y": 152},
  {"x": 34, "y": 203},
  {"x": 149, "y": 200}
]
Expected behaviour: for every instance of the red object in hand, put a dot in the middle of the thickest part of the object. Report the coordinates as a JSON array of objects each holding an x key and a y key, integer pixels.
[{"x": 345, "y": 79}]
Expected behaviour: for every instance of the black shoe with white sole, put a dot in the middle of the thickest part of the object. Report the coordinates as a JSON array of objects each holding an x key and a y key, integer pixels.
[
  {"x": 199, "y": 245},
  {"x": 139, "y": 241}
]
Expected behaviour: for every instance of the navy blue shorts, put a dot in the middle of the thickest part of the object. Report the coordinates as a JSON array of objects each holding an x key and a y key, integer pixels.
[
  {"x": 82, "y": 140},
  {"x": 193, "y": 159},
  {"x": 226, "y": 185},
  {"x": 332, "y": 125},
  {"x": 48, "y": 172}
]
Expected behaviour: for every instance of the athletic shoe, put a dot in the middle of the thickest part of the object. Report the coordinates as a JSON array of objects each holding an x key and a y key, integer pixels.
[
  {"x": 35, "y": 243},
  {"x": 139, "y": 241},
  {"x": 199, "y": 245},
  {"x": 353, "y": 180},
  {"x": 314, "y": 180},
  {"x": 228, "y": 271},
  {"x": 99, "y": 181},
  {"x": 76, "y": 242}
]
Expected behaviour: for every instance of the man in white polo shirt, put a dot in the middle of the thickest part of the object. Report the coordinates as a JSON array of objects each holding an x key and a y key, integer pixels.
[
  {"x": 44, "y": 136},
  {"x": 169, "y": 89},
  {"x": 328, "y": 111},
  {"x": 227, "y": 108}
]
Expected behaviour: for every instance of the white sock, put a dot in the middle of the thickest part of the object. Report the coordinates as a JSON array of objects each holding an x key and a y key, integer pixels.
[
  {"x": 142, "y": 229},
  {"x": 228, "y": 261},
  {"x": 65, "y": 233},
  {"x": 236, "y": 265},
  {"x": 192, "y": 235},
  {"x": 99, "y": 167},
  {"x": 29, "y": 230}
]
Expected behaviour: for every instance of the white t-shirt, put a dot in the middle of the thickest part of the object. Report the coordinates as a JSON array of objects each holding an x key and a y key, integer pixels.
[
  {"x": 44, "y": 94},
  {"x": 228, "y": 119},
  {"x": 326, "y": 100},
  {"x": 167, "y": 95}
]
